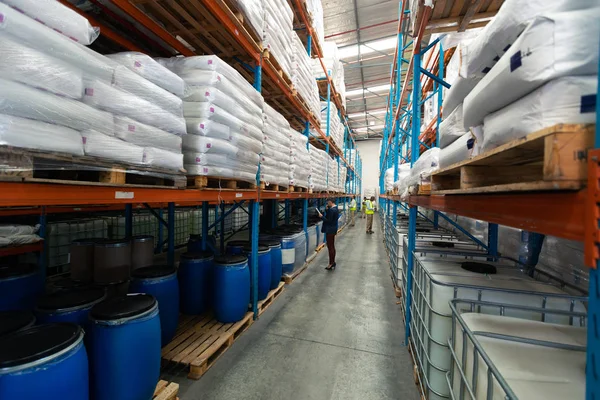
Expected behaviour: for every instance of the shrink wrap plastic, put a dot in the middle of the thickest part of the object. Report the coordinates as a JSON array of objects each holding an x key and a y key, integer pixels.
[
  {"x": 452, "y": 127},
  {"x": 99, "y": 145},
  {"x": 225, "y": 102},
  {"x": 145, "y": 135},
  {"x": 221, "y": 172},
  {"x": 254, "y": 12},
  {"x": 460, "y": 150},
  {"x": 159, "y": 158},
  {"x": 57, "y": 17},
  {"x": 216, "y": 114},
  {"x": 206, "y": 127}
]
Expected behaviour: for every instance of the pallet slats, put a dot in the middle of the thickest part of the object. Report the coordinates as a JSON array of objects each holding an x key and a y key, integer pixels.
[
  {"x": 554, "y": 158},
  {"x": 166, "y": 391},
  {"x": 211, "y": 182},
  {"x": 270, "y": 299}
]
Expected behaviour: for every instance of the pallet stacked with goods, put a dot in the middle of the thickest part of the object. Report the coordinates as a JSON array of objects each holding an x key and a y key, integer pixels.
[
  {"x": 491, "y": 134},
  {"x": 151, "y": 151}
]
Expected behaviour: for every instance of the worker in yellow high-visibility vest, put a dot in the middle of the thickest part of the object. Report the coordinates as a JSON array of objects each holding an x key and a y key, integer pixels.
[
  {"x": 369, "y": 211},
  {"x": 352, "y": 210}
]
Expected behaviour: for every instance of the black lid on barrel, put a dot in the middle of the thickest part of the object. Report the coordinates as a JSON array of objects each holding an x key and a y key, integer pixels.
[
  {"x": 197, "y": 255},
  {"x": 113, "y": 242},
  {"x": 37, "y": 342},
  {"x": 269, "y": 243},
  {"x": 142, "y": 238},
  {"x": 153, "y": 271},
  {"x": 238, "y": 243},
  {"x": 69, "y": 299},
  {"x": 14, "y": 270},
  {"x": 447, "y": 245},
  {"x": 479, "y": 268},
  {"x": 12, "y": 321},
  {"x": 261, "y": 248},
  {"x": 123, "y": 307},
  {"x": 86, "y": 241},
  {"x": 230, "y": 259}
]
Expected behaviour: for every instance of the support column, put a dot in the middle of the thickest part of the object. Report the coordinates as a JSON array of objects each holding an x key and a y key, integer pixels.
[
  {"x": 204, "y": 225},
  {"x": 171, "y": 233},
  {"x": 128, "y": 220},
  {"x": 254, "y": 226}
]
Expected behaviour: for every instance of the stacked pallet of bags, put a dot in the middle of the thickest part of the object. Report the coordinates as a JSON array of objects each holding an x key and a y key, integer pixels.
[
  {"x": 340, "y": 83},
  {"x": 58, "y": 95},
  {"x": 277, "y": 32},
  {"x": 299, "y": 159},
  {"x": 319, "y": 161},
  {"x": 331, "y": 59},
  {"x": 302, "y": 77},
  {"x": 512, "y": 72},
  {"x": 333, "y": 169},
  {"x": 254, "y": 13},
  {"x": 275, "y": 158},
  {"x": 336, "y": 128},
  {"x": 315, "y": 15},
  {"x": 223, "y": 114}
]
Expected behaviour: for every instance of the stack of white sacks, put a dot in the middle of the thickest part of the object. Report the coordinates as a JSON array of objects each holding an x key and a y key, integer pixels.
[
  {"x": 277, "y": 32},
  {"x": 336, "y": 130},
  {"x": 299, "y": 159},
  {"x": 223, "y": 114},
  {"x": 333, "y": 175},
  {"x": 57, "y": 95},
  {"x": 315, "y": 14},
  {"x": 302, "y": 78},
  {"x": 331, "y": 59},
  {"x": 512, "y": 72},
  {"x": 275, "y": 158},
  {"x": 319, "y": 162},
  {"x": 254, "y": 13}
]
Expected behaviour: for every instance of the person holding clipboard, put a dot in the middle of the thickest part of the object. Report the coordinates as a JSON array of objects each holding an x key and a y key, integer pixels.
[{"x": 330, "y": 228}]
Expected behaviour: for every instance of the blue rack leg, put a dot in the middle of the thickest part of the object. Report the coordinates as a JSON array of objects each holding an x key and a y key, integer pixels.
[
  {"x": 254, "y": 221},
  {"x": 204, "y": 224},
  {"x": 287, "y": 211},
  {"x": 222, "y": 233},
  {"x": 493, "y": 239},
  {"x": 305, "y": 221},
  {"x": 42, "y": 232},
  {"x": 171, "y": 238},
  {"x": 436, "y": 219},
  {"x": 160, "y": 243},
  {"x": 128, "y": 220},
  {"x": 412, "y": 238}
]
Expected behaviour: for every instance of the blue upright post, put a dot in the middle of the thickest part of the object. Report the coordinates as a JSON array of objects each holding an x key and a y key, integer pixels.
[
  {"x": 492, "y": 239},
  {"x": 204, "y": 224},
  {"x": 254, "y": 220},
  {"x": 309, "y": 45},
  {"x": 328, "y": 115},
  {"x": 222, "y": 235},
  {"x": 161, "y": 234},
  {"x": 275, "y": 212},
  {"x": 128, "y": 220},
  {"x": 42, "y": 232},
  {"x": 436, "y": 219},
  {"x": 305, "y": 221},
  {"x": 287, "y": 211},
  {"x": 171, "y": 233},
  {"x": 440, "y": 94}
]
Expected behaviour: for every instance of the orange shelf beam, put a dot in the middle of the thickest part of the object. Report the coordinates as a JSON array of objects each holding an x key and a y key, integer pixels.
[{"x": 16, "y": 250}]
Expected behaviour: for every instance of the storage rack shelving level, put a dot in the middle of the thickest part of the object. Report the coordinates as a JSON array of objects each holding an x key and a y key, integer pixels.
[
  {"x": 571, "y": 215},
  {"x": 217, "y": 30}
]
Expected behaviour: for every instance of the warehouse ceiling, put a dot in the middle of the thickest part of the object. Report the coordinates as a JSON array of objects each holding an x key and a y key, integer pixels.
[{"x": 373, "y": 24}]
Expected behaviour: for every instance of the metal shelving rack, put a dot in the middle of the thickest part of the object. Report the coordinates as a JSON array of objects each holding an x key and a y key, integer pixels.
[
  {"x": 41, "y": 199},
  {"x": 571, "y": 215}
]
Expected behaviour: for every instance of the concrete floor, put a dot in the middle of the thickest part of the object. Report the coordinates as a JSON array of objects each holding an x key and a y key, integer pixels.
[{"x": 330, "y": 335}]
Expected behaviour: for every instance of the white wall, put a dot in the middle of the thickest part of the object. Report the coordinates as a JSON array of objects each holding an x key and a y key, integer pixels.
[{"x": 369, "y": 151}]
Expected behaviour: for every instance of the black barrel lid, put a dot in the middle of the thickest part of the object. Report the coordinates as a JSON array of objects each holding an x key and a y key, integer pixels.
[
  {"x": 269, "y": 243},
  {"x": 238, "y": 243},
  {"x": 195, "y": 236},
  {"x": 230, "y": 259},
  {"x": 36, "y": 343},
  {"x": 122, "y": 307},
  {"x": 153, "y": 271},
  {"x": 69, "y": 299},
  {"x": 12, "y": 321},
  {"x": 197, "y": 255},
  {"x": 86, "y": 241},
  {"x": 14, "y": 270},
  {"x": 113, "y": 242},
  {"x": 479, "y": 268},
  {"x": 261, "y": 248},
  {"x": 447, "y": 245},
  {"x": 68, "y": 283},
  {"x": 142, "y": 238}
]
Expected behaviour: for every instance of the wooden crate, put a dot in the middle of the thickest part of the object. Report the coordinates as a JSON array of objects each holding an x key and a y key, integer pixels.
[
  {"x": 201, "y": 340},
  {"x": 273, "y": 294},
  {"x": 166, "y": 391},
  {"x": 554, "y": 158},
  {"x": 25, "y": 165},
  {"x": 211, "y": 182}
]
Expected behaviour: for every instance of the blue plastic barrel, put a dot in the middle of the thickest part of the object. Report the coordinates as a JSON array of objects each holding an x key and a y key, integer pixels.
[
  {"x": 20, "y": 286},
  {"x": 231, "y": 287},
  {"x": 195, "y": 282},
  {"x": 288, "y": 254},
  {"x": 264, "y": 270},
  {"x": 276, "y": 268},
  {"x": 125, "y": 348},
  {"x": 161, "y": 282},
  {"x": 13, "y": 321},
  {"x": 236, "y": 246},
  {"x": 68, "y": 306},
  {"x": 44, "y": 362}
]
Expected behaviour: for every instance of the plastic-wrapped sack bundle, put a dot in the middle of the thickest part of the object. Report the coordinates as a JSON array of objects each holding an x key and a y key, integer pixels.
[
  {"x": 534, "y": 60},
  {"x": 331, "y": 59},
  {"x": 389, "y": 179},
  {"x": 428, "y": 163},
  {"x": 225, "y": 101},
  {"x": 206, "y": 127},
  {"x": 31, "y": 67},
  {"x": 27, "y": 102},
  {"x": 106, "y": 97},
  {"x": 459, "y": 150},
  {"x": 243, "y": 142},
  {"x": 243, "y": 159},
  {"x": 275, "y": 157},
  {"x": 145, "y": 135},
  {"x": 221, "y": 172},
  {"x": 160, "y": 158},
  {"x": 568, "y": 100},
  {"x": 39, "y": 37},
  {"x": 215, "y": 113},
  {"x": 254, "y": 12},
  {"x": 452, "y": 127},
  {"x": 461, "y": 85},
  {"x": 302, "y": 77},
  {"x": 30, "y": 134},
  {"x": 203, "y": 144},
  {"x": 133, "y": 83},
  {"x": 58, "y": 17},
  {"x": 99, "y": 145},
  {"x": 148, "y": 68},
  {"x": 277, "y": 32}
]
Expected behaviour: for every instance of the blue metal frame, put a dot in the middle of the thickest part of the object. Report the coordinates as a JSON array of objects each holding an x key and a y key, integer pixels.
[{"x": 171, "y": 234}]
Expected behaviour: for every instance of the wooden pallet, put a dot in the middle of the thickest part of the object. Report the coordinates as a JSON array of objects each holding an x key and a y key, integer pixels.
[
  {"x": 424, "y": 189},
  {"x": 200, "y": 340},
  {"x": 242, "y": 20},
  {"x": 297, "y": 189},
  {"x": 210, "y": 182},
  {"x": 554, "y": 158},
  {"x": 397, "y": 290},
  {"x": 271, "y": 59},
  {"x": 273, "y": 294},
  {"x": 290, "y": 278},
  {"x": 24, "y": 165},
  {"x": 166, "y": 391},
  {"x": 274, "y": 188}
]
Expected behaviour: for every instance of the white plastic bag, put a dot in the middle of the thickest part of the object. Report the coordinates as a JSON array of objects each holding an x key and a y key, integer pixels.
[
  {"x": 140, "y": 134},
  {"x": 206, "y": 127},
  {"x": 221, "y": 172},
  {"x": 12, "y": 230},
  {"x": 98, "y": 145},
  {"x": 460, "y": 150},
  {"x": 160, "y": 158},
  {"x": 452, "y": 127},
  {"x": 202, "y": 144}
]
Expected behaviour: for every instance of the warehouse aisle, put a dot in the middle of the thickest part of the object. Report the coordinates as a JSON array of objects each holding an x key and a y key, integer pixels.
[{"x": 331, "y": 335}]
